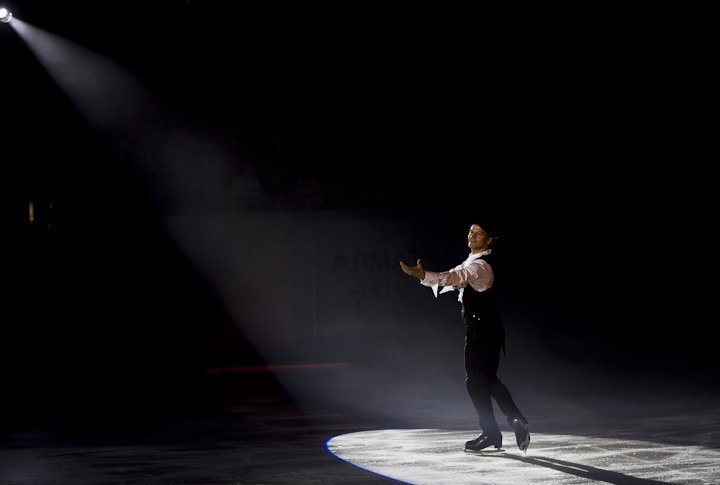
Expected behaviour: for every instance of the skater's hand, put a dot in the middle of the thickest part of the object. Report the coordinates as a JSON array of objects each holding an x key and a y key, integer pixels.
[{"x": 417, "y": 271}]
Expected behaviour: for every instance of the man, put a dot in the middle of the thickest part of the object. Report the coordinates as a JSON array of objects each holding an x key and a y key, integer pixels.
[{"x": 485, "y": 336}]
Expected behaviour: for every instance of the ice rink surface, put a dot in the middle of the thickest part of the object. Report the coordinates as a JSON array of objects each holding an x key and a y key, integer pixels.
[{"x": 434, "y": 456}]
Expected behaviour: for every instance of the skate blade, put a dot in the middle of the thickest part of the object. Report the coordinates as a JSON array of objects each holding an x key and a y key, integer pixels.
[{"x": 485, "y": 451}]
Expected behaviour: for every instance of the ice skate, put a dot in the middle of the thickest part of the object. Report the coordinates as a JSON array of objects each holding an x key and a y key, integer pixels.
[
  {"x": 522, "y": 434},
  {"x": 484, "y": 441}
]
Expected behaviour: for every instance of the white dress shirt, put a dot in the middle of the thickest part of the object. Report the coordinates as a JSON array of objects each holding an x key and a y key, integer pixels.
[{"x": 474, "y": 271}]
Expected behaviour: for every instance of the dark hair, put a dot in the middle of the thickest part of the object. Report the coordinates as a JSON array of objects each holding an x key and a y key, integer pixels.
[{"x": 490, "y": 227}]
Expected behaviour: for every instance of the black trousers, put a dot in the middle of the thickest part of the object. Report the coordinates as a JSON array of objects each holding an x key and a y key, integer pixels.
[{"x": 483, "y": 342}]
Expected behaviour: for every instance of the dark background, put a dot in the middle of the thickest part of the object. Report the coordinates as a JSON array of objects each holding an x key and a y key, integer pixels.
[{"x": 586, "y": 143}]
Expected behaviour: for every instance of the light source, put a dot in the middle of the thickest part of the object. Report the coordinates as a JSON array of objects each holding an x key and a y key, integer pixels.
[{"x": 5, "y": 15}]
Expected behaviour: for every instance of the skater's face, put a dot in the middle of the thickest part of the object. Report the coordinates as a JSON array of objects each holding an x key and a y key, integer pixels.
[{"x": 478, "y": 239}]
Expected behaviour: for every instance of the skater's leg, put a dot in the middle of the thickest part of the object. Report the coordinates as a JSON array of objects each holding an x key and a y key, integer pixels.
[
  {"x": 480, "y": 366},
  {"x": 507, "y": 405},
  {"x": 479, "y": 391}
]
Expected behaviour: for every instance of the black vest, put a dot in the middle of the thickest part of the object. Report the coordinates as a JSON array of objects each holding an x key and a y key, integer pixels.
[
  {"x": 479, "y": 310},
  {"x": 482, "y": 304}
]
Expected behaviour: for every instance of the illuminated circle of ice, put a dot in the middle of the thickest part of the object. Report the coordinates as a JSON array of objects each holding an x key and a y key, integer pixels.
[{"x": 432, "y": 456}]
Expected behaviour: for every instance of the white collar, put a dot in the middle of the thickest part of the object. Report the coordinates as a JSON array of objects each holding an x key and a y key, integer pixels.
[{"x": 473, "y": 257}]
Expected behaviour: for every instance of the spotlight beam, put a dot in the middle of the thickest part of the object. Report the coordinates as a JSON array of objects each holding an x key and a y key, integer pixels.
[{"x": 110, "y": 98}]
